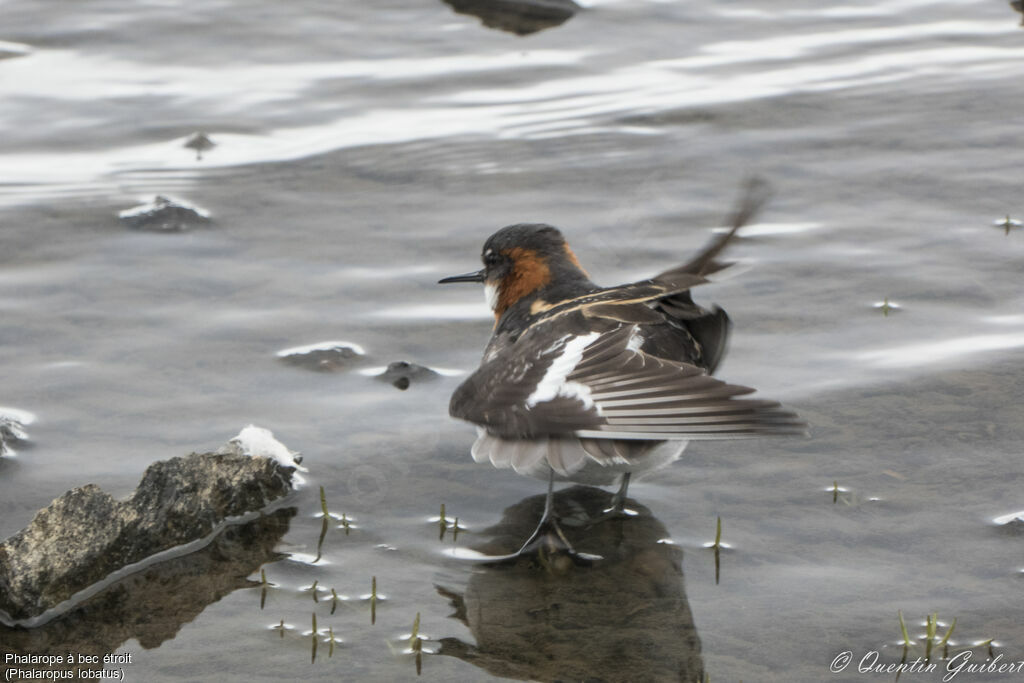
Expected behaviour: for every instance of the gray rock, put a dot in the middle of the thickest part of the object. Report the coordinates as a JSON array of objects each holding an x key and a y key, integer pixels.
[
  {"x": 1012, "y": 523},
  {"x": 8, "y": 50},
  {"x": 402, "y": 374},
  {"x": 12, "y": 429},
  {"x": 165, "y": 215},
  {"x": 152, "y": 605},
  {"x": 329, "y": 356},
  {"x": 85, "y": 536},
  {"x": 521, "y": 17}
]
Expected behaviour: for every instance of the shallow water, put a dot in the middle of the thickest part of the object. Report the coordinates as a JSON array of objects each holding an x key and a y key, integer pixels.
[{"x": 365, "y": 151}]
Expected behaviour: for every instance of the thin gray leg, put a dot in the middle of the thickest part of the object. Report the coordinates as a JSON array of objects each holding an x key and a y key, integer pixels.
[
  {"x": 619, "y": 499},
  {"x": 548, "y": 521}
]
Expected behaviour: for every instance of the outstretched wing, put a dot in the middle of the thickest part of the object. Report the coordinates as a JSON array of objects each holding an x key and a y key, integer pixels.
[
  {"x": 599, "y": 384},
  {"x": 669, "y": 291}
]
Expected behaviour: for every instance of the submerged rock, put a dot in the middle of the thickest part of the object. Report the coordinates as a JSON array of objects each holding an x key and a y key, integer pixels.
[
  {"x": 8, "y": 49},
  {"x": 327, "y": 356},
  {"x": 85, "y": 538},
  {"x": 12, "y": 428},
  {"x": 521, "y": 17},
  {"x": 402, "y": 373},
  {"x": 1012, "y": 523},
  {"x": 165, "y": 215}
]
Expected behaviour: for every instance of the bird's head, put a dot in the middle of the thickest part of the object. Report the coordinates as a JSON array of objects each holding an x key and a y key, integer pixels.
[{"x": 520, "y": 261}]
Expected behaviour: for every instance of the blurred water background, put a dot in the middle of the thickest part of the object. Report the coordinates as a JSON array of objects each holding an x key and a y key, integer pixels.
[{"x": 364, "y": 150}]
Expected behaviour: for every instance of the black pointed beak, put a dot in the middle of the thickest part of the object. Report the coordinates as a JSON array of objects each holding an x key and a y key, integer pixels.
[{"x": 478, "y": 276}]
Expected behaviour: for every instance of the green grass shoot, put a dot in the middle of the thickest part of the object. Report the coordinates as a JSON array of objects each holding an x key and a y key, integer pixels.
[
  {"x": 313, "y": 656},
  {"x": 945, "y": 639},
  {"x": 323, "y": 501},
  {"x": 717, "y": 547},
  {"x": 930, "y": 627},
  {"x": 416, "y": 644},
  {"x": 903, "y": 629},
  {"x": 373, "y": 601},
  {"x": 415, "y": 632}
]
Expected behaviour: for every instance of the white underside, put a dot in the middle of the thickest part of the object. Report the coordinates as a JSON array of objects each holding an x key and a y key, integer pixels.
[{"x": 596, "y": 462}]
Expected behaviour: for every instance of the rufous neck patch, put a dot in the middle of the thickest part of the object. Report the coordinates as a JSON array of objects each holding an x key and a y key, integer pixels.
[
  {"x": 529, "y": 273},
  {"x": 572, "y": 259}
]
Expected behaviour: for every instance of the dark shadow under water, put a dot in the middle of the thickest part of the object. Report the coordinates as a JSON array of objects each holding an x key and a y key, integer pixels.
[{"x": 625, "y": 617}]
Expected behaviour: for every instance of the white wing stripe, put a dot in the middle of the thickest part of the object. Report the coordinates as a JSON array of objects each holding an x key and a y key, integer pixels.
[{"x": 553, "y": 383}]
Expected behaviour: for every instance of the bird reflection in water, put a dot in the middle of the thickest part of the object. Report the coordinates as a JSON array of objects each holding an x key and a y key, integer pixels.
[{"x": 546, "y": 617}]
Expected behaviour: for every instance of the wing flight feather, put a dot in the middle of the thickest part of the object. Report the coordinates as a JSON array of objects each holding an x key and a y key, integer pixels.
[{"x": 610, "y": 389}]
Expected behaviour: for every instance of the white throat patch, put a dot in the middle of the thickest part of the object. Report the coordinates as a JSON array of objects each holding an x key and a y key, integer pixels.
[{"x": 491, "y": 295}]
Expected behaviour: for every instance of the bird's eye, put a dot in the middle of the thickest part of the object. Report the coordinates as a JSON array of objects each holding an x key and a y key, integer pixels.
[{"x": 491, "y": 259}]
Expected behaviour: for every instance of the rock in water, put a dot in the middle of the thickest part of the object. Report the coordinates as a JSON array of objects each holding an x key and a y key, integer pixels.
[
  {"x": 85, "y": 536},
  {"x": 164, "y": 215},
  {"x": 521, "y": 17},
  {"x": 152, "y": 605},
  {"x": 8, "y": 49},
  {"x": 402, "y": 373},
  {"x": 1012, "y": 523},
  {"x": 12, "y": 428},
  {"x": 327, "y": 356}
]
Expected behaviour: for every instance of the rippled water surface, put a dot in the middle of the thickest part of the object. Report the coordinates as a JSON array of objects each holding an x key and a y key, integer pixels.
[{"x": 364, "y": 150}]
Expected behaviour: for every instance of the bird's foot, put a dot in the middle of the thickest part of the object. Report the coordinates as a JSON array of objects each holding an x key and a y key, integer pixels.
[
  {"x": 611, "y": 514},
  {"x": 548, "y": 543},
  {"x": 549, "y": 547},
  {"x": 615, "y": 512},
  {"x": 617, "y": 508}
]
